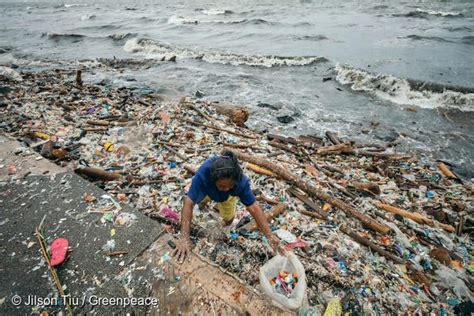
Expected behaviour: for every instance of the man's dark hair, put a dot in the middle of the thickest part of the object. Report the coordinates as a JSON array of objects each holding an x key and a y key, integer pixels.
[{"x": 226, "y": 166}]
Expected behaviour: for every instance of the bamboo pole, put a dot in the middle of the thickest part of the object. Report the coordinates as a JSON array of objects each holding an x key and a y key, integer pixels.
[
  {"x": 52, "y": 270},
  {"x": 414, "y": 216},
  {"x": 276, "y": 210},
  {"x": 445, "y": 170},
  {"x": 260, "y": 170}
]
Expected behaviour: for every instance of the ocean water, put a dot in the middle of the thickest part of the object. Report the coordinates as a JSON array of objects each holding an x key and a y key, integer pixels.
[{"x": 353, "y": 67}]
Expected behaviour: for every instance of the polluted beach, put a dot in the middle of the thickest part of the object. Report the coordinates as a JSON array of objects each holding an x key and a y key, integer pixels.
[{"x": 236, "y": 159}]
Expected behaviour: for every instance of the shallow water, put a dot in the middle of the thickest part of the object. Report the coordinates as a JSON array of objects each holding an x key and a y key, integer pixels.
[{"x": 278, "y": 53}]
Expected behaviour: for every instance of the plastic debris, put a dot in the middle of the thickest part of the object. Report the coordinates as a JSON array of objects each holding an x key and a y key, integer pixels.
[
  {"x": 334, "y": 308},
  {"x": 89, "y": 198},
  {"x": 170, "y": 214},
  {"x": 165, "y": 258},
  {"x": 59, "y": 250},
  {"x": 285, "y": 235},
  {"x": 107, "y": 217},
  {"x": 125, "y": 219},
  {"x": 109, "y": 246},
  {"x": 283, "y": 280},
  {"x": 139, "y": 149}
]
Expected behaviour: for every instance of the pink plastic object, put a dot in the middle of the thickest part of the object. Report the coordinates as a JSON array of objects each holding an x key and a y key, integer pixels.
[
  {"x": 58, "y": 251},
  {"x": 170, "y": 214}
]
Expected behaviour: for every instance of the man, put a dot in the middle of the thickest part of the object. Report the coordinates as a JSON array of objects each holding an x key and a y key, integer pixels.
[{"x": 221, "y": 179}]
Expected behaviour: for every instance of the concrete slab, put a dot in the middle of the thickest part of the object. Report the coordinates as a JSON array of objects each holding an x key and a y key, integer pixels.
[
  {"x": 24, "y": 163},
  {"x": 203, "y": 288},
  {"x": 59, "y": 199}
]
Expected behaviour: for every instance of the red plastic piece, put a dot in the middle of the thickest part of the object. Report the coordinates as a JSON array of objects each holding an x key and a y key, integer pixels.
[
  {"x": 296, "y": 244},
  {"x": 58, "y": 251}
]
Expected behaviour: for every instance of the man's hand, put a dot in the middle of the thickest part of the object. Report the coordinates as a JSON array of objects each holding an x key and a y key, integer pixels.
[
  {"x": 183, "y": 249},
  {"x": 276, "y": 245}
]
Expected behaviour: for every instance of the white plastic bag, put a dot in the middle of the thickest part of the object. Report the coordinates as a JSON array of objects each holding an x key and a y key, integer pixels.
[{"x": 271, "y": 269}]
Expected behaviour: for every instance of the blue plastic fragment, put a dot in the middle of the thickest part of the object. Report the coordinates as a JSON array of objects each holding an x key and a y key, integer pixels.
[
  {"x": 430, "y": 194},
  {"x": 249, "y": 235},
  {"x": 342, "y": 265}
]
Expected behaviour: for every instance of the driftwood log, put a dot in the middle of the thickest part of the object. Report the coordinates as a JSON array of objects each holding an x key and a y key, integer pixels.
[
  {"x": 414, "y": 216},
  {"x": 416, "y": 275},
  {"x": 445, "y": 170},
  {"x": 268, "y": 200},
  {"x": 364, "y": 241},
  {"x": 174, "y": 151},
  {"x": 349, "y": 149},
  {"x": 260, "y": 170},
  {"x": 317, "y": 210},
  {"x": 237, "y": 114},
  {"x": 341, "y": 148},
  {"x": 333, "y": 138},
  {"x": 98, "y": 174},
  {"x": 286, "y": 148},
  {"x": 79, "y": 78},
  {"x": 367, "y": 186},
  {"x": 282, "y": 139},
  {"x": 312, "y": 190},
  {"x": 276, "y": 210}
]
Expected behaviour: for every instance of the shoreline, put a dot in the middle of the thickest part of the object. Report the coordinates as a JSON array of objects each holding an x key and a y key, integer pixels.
[
  {"x": 408, "y": 128},
  {"x": 145, "y": 148}
]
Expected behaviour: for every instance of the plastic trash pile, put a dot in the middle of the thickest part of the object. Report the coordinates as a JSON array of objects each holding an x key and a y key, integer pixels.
[
  {"x": 142, "y": 150},
  {"x": 284, "y": 282}
]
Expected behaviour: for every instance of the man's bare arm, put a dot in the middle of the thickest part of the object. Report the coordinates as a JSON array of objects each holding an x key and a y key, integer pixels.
[
  {"x": 186, "y": 217},
  {"x": 183, "y": 248},
  {"x": 256, "y": 211}
]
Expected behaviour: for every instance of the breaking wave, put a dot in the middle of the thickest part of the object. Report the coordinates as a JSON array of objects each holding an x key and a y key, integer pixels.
[
  {"x": 244, "y": 21},
  {"x": 315, "y": 38},
  {"x": 63, "y": 36},
  {"x": 161, "y": 51},
  {"x": 420, "y": 13},
  {"x": 72, "y": 5},
  {"x": 459, "y": 28},
  {"x": 406, "y": 92},
  {"x": 415, "y": 37},
  {"x": 217, "y": 12},
  {"x": 179, "y": 20},
  {"x": 121, "y": 36},
  {"x": 88, "y": 17}
]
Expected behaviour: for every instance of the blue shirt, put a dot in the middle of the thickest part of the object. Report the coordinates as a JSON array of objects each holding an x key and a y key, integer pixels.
[{"x": 202, "y": 186}]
